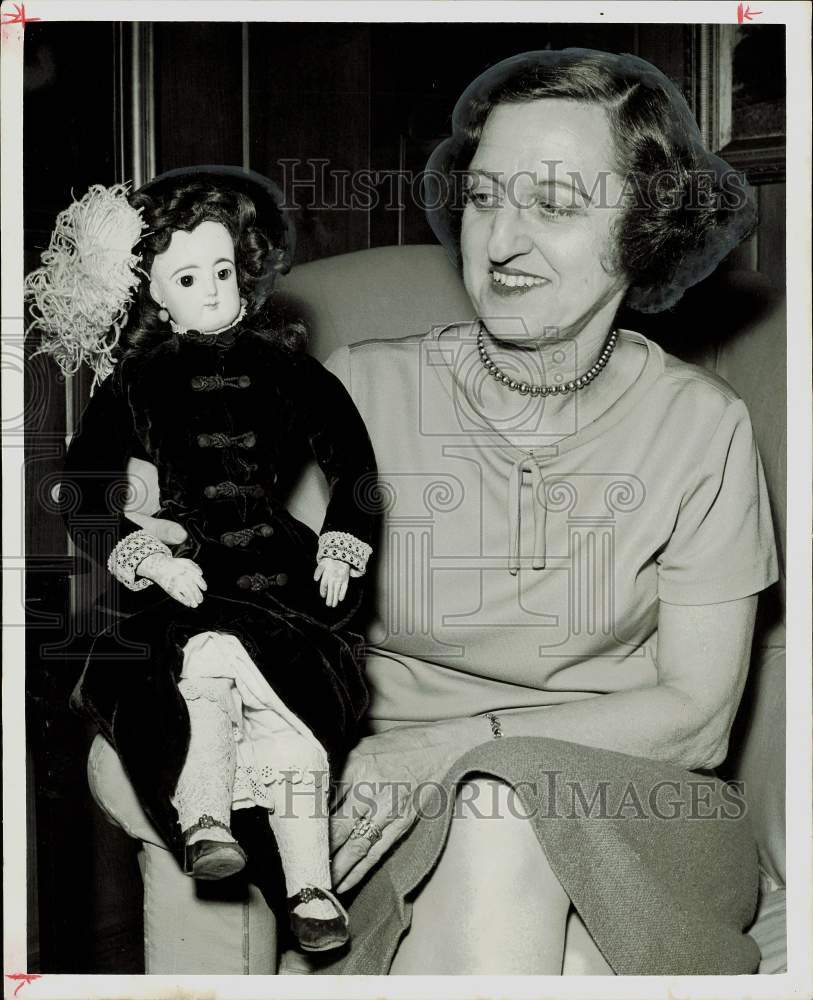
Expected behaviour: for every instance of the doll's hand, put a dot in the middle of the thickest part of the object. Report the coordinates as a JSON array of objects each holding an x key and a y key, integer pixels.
[
  {"x": 180, "y": 578},
  {"x": 333, "y": 574},
  {"x": 168, "y": 532}
]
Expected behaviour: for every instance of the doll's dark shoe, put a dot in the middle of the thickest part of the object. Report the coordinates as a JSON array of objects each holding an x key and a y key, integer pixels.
[
  {"x": 316, "y": 933},
  {"x": 215, "y": 858}
]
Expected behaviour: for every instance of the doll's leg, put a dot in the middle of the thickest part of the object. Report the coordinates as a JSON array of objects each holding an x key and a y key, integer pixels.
[
  {"x": 299, "y": 822},
  {"x": 300, "y": 825},
  {"x": 203, "y": 796}
]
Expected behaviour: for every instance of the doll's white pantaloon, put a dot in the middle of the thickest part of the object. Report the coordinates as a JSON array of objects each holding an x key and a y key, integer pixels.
[{"x": 247, "y": 748}]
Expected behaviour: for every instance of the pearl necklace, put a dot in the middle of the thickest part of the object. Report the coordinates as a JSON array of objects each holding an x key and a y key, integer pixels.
[
  {"x": 209, "y": 333},
  {"x": 546, "y": 390}
]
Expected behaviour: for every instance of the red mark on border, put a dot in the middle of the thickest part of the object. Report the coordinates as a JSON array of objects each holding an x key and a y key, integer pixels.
[
  {"x": 746, "y": 14},
  {"x": 18, "y": 17},
  {"x": 24, "y": 977}
]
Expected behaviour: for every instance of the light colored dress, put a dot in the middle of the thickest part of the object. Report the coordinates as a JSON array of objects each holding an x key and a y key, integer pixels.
[{"x": 662, "y": 498}]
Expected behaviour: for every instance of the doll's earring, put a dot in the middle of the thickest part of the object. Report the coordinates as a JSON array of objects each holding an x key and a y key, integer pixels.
[{"x": 163, "y": 315}]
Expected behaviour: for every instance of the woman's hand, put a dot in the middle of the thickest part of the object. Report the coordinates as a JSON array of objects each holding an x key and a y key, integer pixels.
[
  {"x": 333, "y": 574},
  {"x": 180, "y": 578},
  {"x": 386, "y": 780}
]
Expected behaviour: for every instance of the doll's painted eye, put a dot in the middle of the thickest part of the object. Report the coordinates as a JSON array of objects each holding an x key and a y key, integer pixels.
[
  {"x": 187, "y": 280},
  {"x": 224, "y": 273}
]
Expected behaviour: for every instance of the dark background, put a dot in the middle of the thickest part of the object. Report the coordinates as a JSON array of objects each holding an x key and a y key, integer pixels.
[{"x": 360, "y": 96}]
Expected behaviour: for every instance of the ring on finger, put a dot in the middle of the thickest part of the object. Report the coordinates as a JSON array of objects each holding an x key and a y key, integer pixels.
[{"x": 367, "y": 829}]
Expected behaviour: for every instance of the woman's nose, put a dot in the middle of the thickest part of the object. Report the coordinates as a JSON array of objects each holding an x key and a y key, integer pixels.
[{"x": 509, "y": 235}]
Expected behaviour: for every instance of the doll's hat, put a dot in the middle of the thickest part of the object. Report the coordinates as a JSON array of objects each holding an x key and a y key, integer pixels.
[{"x": 269, "y": 202}]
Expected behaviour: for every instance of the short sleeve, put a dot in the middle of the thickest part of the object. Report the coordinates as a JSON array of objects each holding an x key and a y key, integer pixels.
[{"x": 722, "y": 547}]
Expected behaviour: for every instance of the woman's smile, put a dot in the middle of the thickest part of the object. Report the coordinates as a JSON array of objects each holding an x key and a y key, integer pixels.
[{"x": 507, "y": 282}]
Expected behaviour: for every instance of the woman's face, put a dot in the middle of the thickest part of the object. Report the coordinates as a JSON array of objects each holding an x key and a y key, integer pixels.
[
  {"x": 195, "y": 278},
  {"x": 537, "y": 230}
]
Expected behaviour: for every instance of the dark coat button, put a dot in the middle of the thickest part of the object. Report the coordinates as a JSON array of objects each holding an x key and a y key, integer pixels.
[
  {"x": 257, "y": 581},
  {"x": 207, "y": 383},
  {"x": 246, "y": 535},
  {"x": 222, "y": 490},
  {"x": 229, "y": 489},
  {"x": 217, "y": 439}
]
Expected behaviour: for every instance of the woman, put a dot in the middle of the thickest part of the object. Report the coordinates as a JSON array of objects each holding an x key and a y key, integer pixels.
[{"x": 577, "y": 532}]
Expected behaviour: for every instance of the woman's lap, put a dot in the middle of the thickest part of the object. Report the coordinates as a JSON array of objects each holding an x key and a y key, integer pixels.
[{"x": 635, "y": 844}]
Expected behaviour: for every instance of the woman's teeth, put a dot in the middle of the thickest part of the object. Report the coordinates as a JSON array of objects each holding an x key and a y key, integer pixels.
[{"x": 516, "y": 280}]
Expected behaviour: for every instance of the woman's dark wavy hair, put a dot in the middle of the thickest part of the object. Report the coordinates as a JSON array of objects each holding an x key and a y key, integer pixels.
[
  {"x": 184, "y": 206},
  {"x": 684, "y": 208}
]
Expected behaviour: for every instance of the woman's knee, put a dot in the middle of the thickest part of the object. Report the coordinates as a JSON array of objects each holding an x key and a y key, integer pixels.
[
  {"x": 492, "y": 904},
  {"x": 489, "y": 824}
]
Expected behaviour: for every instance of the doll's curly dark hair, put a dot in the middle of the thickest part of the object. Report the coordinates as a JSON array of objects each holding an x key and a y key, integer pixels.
[
  {"x": 184, "y": 205},
  {"x": 684, "y": 209}
]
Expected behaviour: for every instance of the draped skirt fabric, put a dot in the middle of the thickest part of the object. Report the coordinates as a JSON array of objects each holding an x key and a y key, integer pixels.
[{"x": 660, "y": 863}]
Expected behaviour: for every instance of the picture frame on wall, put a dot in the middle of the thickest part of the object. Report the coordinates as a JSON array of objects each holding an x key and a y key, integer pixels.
[{"x": 738, "y": 84}]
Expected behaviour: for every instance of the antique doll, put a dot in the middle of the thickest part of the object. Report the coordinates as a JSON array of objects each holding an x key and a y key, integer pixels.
[{"x": 236, "y": 682}]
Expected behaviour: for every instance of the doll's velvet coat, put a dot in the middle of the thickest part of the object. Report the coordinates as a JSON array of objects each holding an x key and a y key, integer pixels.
[{"x": 228, "y": 420}]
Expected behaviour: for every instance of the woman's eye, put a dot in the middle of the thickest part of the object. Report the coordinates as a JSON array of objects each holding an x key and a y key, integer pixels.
[
  {"x": 224, "y": 273},
  {"x": 555, "y": 211},
  {"x": 186, "y": 280},
  {"x": 483, "y": 199}
]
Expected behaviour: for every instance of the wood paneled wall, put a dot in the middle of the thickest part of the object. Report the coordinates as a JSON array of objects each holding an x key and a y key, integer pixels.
[
  {"x": 309, "y": 105},
  {"x": 198, "y": 77}
]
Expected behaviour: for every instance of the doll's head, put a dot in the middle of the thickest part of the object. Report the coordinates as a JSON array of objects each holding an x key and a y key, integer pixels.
[
  {"x": 201, "y": 255},
  {"x": 195, "y": 278},
  {"x": 203, "y": 243}
]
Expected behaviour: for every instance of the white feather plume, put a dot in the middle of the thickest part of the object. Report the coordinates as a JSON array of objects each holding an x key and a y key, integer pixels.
[{"x": 80, "y": 296}]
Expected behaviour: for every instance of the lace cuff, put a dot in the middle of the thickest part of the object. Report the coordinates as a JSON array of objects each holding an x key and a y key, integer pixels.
[
  {"x": 344, "y": 546},
  {"x": 130, "y": 551}
]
